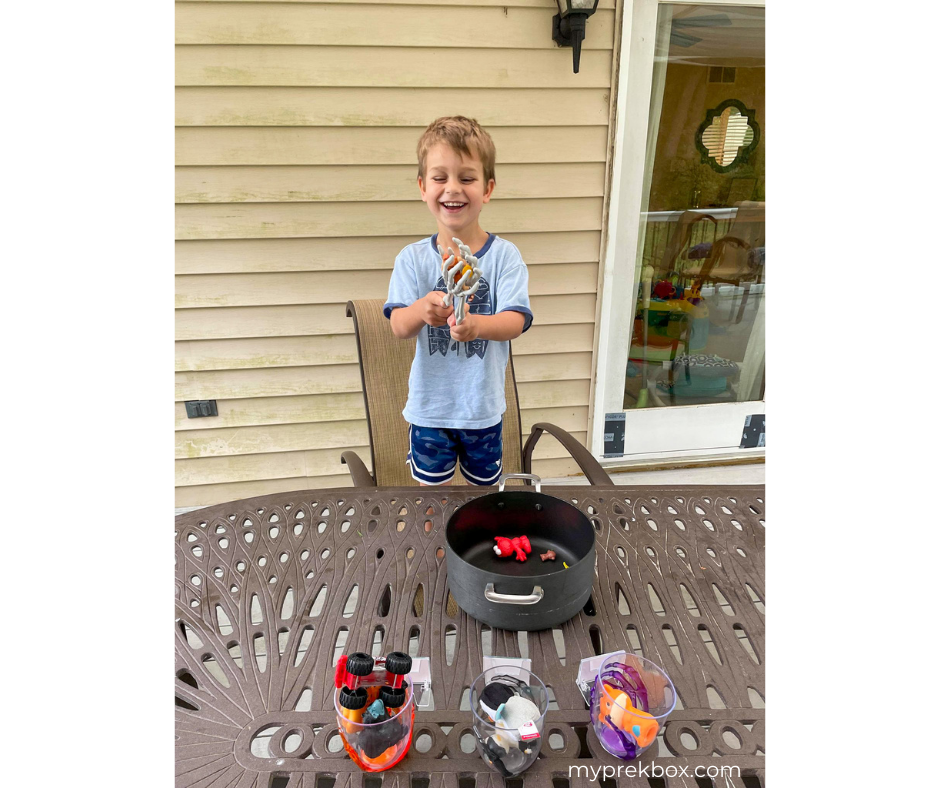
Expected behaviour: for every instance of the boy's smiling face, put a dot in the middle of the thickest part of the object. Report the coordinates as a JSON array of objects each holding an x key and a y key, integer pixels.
[{"x": 455, "y": 192}]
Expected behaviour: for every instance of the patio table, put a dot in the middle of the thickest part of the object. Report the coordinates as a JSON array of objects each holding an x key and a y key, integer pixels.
[{"x": 270, "y": 591}]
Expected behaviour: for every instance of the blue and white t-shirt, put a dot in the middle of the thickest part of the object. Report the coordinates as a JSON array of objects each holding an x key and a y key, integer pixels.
[{"x": 459, "y": 385}]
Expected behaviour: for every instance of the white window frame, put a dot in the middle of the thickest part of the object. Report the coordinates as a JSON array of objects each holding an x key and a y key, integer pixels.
[{"x": 634, "y": 87}]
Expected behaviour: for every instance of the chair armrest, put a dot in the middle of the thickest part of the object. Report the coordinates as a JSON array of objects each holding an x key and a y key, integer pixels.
[
  {"x": 357, "y": 469},
  {"x": 591, "y": 467},
  {"x": 726, "y": 240}
]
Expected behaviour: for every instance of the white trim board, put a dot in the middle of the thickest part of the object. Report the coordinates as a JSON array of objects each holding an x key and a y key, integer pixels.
[{"x": 618, "y": 278}]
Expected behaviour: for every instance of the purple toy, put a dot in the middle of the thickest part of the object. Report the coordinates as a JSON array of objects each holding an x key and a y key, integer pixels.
[{"x": 627, "y": 679}]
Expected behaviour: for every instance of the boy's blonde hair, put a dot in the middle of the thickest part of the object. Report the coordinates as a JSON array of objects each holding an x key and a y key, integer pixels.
[{"x": 464, "y": 136}]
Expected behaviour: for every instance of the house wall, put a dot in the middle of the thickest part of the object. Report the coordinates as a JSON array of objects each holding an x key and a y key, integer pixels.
[{"x": 296, "y": 131}]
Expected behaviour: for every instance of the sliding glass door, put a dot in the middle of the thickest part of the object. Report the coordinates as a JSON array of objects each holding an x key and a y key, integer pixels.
[{"x": 681, "y": 367}]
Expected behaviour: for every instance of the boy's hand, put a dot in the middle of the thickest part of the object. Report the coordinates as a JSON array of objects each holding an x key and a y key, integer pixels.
[
  {"x": 467, "y": 331},
  {"x": 432, "y": 309}
]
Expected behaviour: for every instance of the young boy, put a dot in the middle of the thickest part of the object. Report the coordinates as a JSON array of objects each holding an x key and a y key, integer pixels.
[{"x": 456, "y": 394}]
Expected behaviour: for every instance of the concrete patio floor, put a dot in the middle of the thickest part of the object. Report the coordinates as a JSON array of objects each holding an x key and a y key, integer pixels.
[{"x": 722, "y": 474}]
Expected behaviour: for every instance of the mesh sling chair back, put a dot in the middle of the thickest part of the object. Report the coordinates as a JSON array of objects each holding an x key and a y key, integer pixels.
[{"x": 385, "y": 364}]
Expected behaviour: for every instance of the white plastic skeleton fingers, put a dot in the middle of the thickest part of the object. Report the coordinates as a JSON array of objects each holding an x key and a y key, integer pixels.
[{"x": 458, "y": 291}]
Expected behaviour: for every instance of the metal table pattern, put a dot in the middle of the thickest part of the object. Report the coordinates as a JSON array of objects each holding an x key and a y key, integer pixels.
[{"x": 271, "y": 590}]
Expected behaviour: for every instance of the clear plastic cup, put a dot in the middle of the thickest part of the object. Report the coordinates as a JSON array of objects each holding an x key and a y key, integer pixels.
[
  {"x": 379, "y": 746},
  {"x": 630, "y": 700},
  {"x": 509, "y": 751}
]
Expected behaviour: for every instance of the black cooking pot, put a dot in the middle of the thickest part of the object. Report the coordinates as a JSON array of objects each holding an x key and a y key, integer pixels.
[{"x": 520, "y": 595}]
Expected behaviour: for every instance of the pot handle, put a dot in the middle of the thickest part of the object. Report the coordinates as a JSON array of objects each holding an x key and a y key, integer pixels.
[
  {"x": 531, "y": 476},
  {"x": 513, "y": 599}
]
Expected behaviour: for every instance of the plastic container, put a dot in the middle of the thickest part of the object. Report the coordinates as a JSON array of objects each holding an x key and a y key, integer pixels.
[
  {"x": 630, "y": 700},
  {"x": 377, "y": 746},
  {"x": 508, "y": 751}
]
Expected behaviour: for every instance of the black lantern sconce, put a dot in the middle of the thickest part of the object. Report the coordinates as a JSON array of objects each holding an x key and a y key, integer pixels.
[{"x": 569, "y": 24}]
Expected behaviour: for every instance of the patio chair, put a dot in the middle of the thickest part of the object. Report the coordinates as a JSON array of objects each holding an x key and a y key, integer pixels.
[
  {"x": 729, "y": 258},
  {"x": 385, "y": 363}
]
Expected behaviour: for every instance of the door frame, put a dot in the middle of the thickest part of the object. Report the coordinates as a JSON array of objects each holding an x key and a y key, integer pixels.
[{"x": 634, "y": 87}]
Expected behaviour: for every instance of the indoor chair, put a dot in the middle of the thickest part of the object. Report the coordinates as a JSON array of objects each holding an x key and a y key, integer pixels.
[{"x": 736, "y": 258}]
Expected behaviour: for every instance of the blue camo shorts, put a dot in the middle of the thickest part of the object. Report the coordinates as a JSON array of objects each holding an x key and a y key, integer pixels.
[{"x": 436, "y": 451}]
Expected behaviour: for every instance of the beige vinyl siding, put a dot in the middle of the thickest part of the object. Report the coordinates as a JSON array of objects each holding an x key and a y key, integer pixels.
[{"x": 297, "y": 124}]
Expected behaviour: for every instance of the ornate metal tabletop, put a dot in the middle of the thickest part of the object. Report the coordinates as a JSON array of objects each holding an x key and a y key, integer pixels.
[{"x": 270, "y": 591}]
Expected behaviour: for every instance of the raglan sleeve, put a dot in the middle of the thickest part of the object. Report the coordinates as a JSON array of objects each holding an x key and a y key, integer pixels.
[
  {"x": 512, "y": 290},
  {"x": 403, "y": 286}
]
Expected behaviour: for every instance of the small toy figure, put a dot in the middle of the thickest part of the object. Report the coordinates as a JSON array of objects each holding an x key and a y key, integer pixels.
[
  {"x": 504, "y": 547},
  {"x": 623, "y": 708},
  {"x": 509, "y": 712},
  {"x": 549, "y": 556},
  {"x": 494, "y": 755},
  {"x": 626, "y": 716},
  {"x": 375, "y": 713},
  {"x": 516, "y": 712},
  {"x": 664, "y": 290},
  {"x": 378, "y": 742},
  {"x": 494, "y": 696}
]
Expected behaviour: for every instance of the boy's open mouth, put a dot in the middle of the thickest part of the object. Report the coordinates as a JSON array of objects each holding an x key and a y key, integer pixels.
[{"x": 453, "y": 207}]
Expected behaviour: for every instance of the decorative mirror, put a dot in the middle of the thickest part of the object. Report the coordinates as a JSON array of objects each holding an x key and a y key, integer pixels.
[{"x": 727, "y": 136}]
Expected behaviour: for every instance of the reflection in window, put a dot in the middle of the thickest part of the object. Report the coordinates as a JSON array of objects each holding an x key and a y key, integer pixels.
[
  {"x": 726, "y": 135},
  {"x": 698, "y": 330}
]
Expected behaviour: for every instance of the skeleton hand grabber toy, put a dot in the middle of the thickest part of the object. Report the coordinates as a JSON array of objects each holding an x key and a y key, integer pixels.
[{"x": 465, "y": 264}]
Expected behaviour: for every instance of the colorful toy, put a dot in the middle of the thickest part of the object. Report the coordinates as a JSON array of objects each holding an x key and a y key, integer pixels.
[
  {"x": 664, "y": 290},
  {"x": 352, "y": 702},
  {"x": 464, "y": 264},
  {"x": 623, "y": 704},
  {"x": 372, "y": 696},
  {"x": 378, "y": 741},
  {"x": 351, "y": 670},
  {"x": 520, "y": 544},
  {"x": 397, "y": 666},
  {"x": 549, "y": 556},
  {"x": 663, "y": 326},
  {"x": 516, "y": 712},
  {"x": 511, "y": 716},
  {"x": 624, "y": 716},
  {"x": 509, "y": 705},
  {"x": 494, "y": 696},
  {"x": 392, "y": 698},
  {"x": 457, "y": 262}
]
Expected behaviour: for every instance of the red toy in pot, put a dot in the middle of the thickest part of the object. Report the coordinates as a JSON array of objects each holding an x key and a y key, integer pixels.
[{"x": 504, "y": 547}]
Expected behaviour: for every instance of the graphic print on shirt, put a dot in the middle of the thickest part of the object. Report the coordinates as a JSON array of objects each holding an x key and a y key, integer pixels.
[{"x": 439, "y": 340}]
